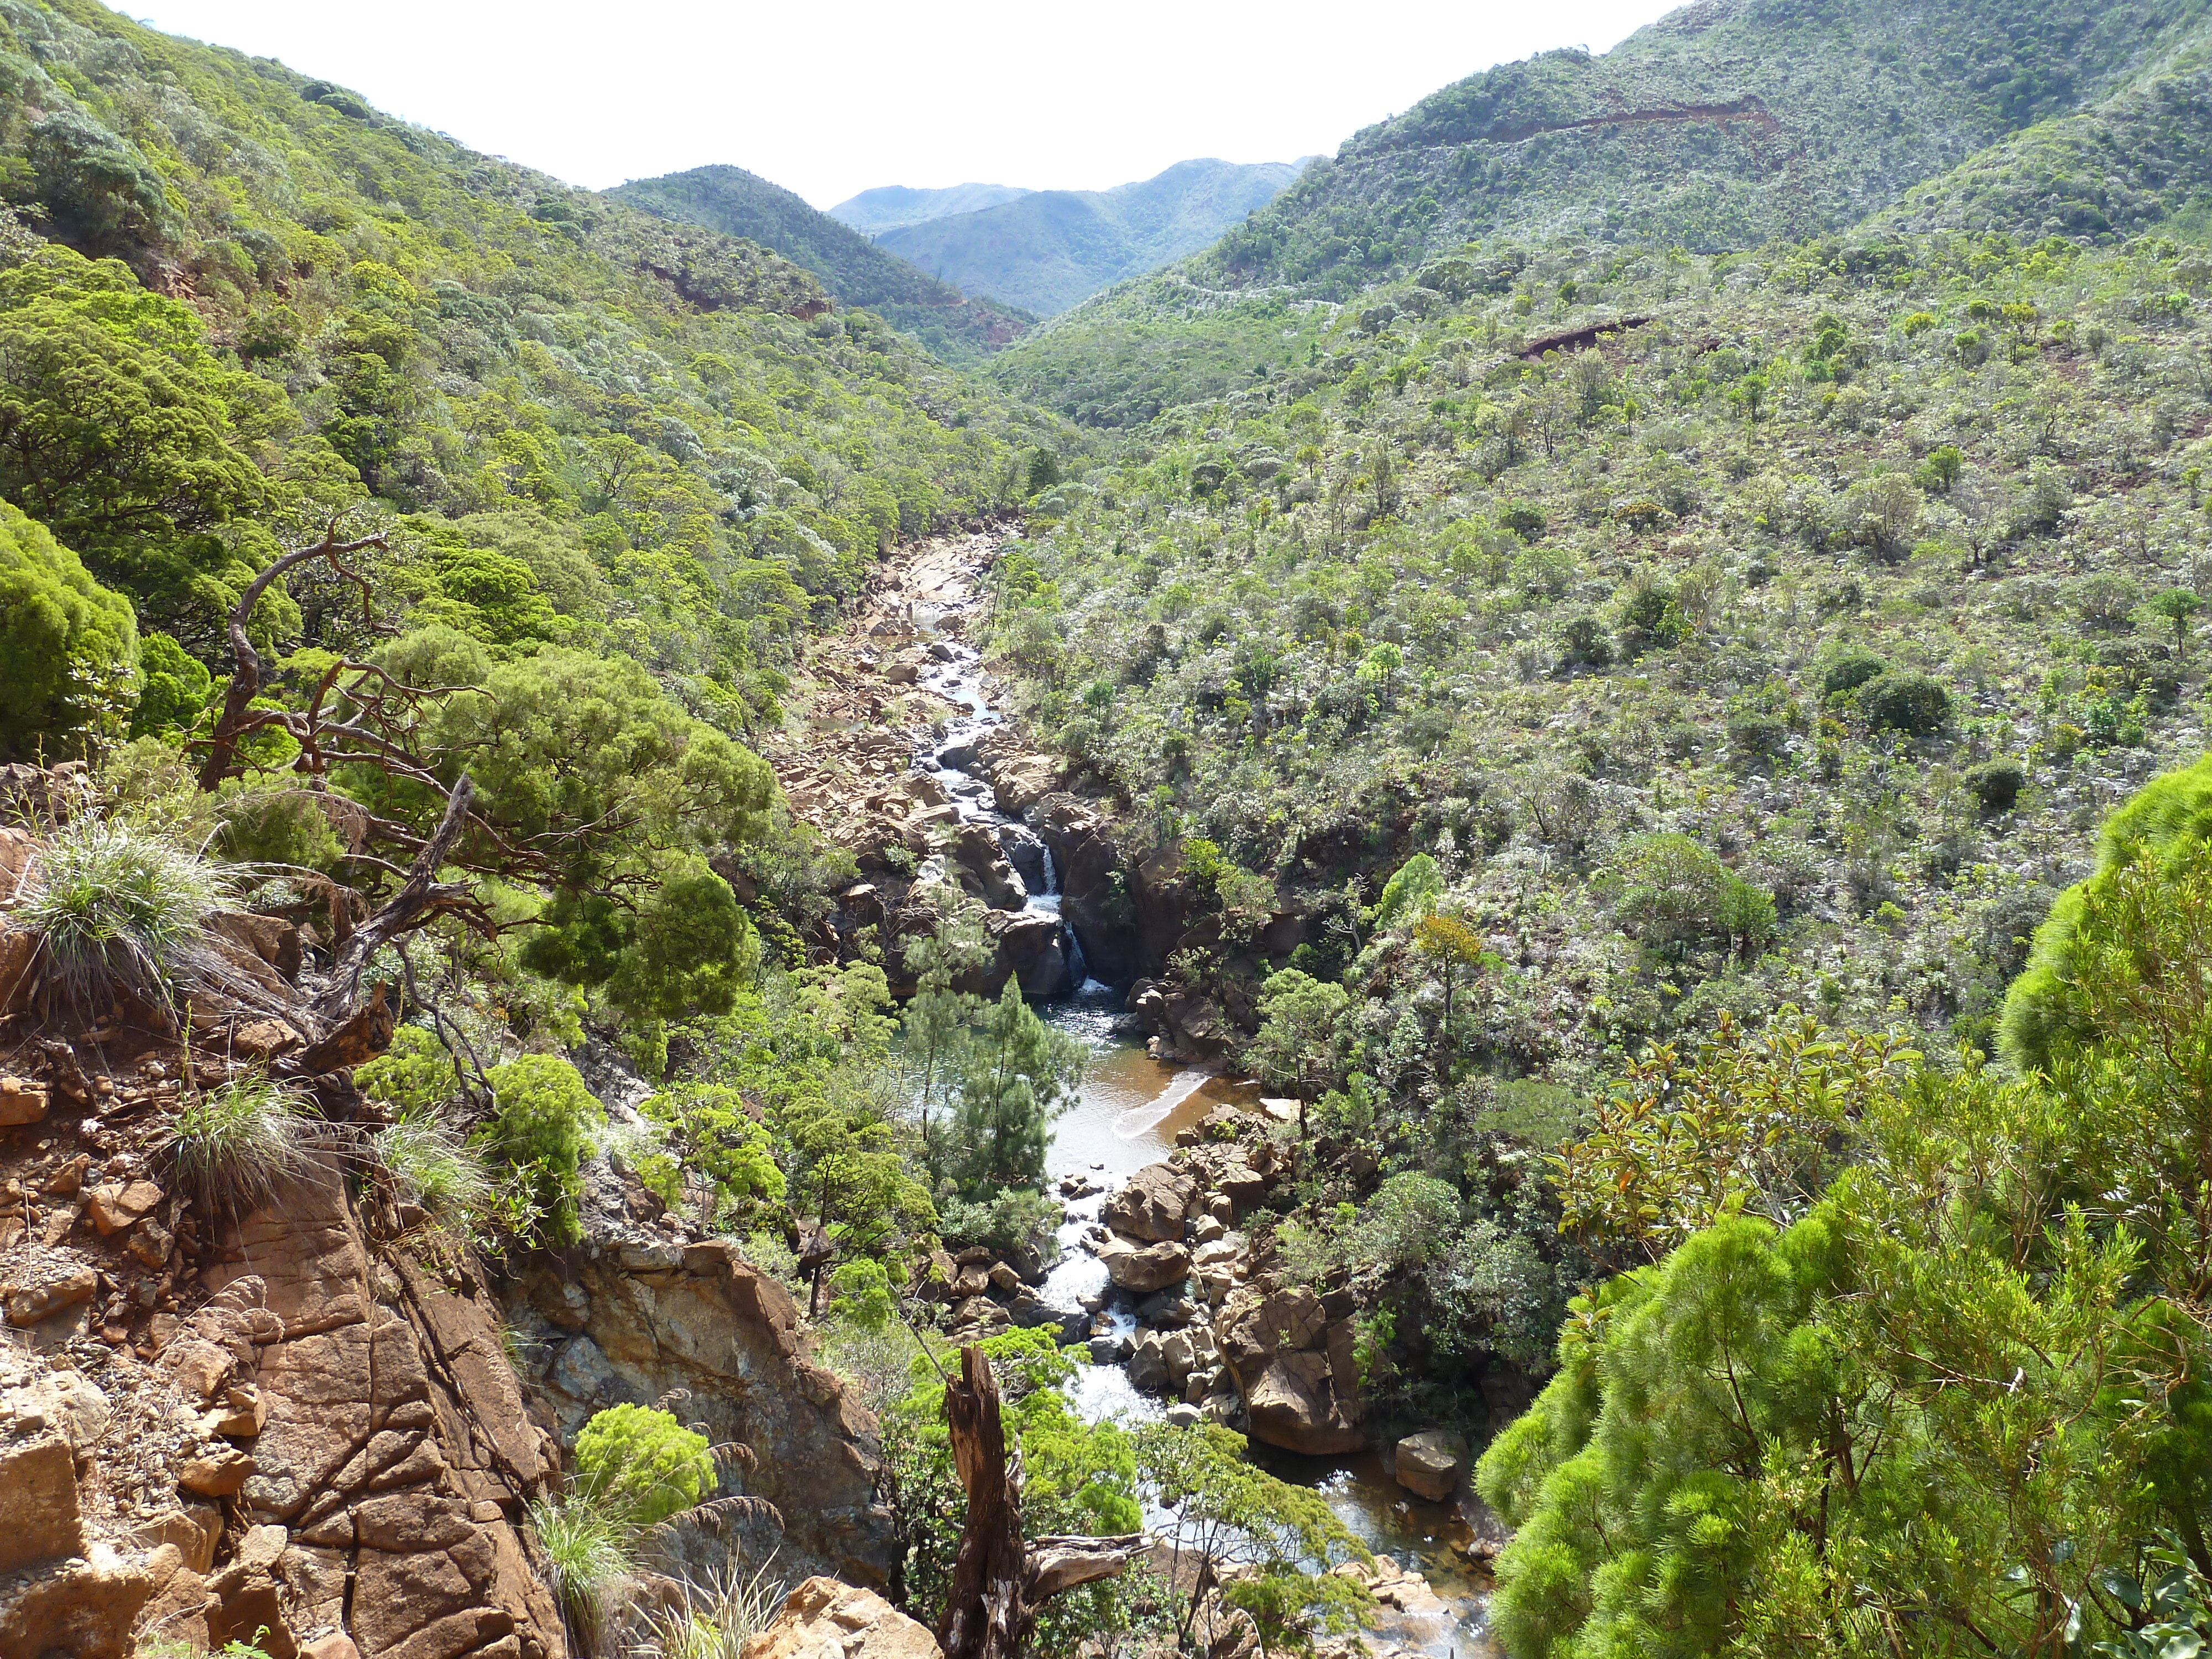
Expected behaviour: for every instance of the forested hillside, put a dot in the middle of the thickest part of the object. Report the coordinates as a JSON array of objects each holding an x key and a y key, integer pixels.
[
  {"x": 851, "y": 267},
  {"x": 629, "y": 431}
]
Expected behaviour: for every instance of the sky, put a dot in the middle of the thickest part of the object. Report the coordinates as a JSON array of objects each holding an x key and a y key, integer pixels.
[{"x": 829, "y": 101}]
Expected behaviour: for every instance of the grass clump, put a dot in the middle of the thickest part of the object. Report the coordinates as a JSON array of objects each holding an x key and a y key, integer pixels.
[
  {"x": 717, "y": 1616},
  {"x": 232, "y": 1147},
  {"x": 119, "y": 908},
  {"x": 591, "y": 1551},
  {"x": 433, "y": 1166}
]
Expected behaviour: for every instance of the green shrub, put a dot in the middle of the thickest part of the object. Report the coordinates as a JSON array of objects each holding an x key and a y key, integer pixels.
[
  {"x": 1675, "y": 894},
  {"x": 173, "y": 687},
  {"x": 1849, "y": 668},
  {"x": 1904, "y": 700},
  {"x": 277, "y": 827},
  {"x": 542, "y": 1121},
  {"x": 414, "y": 1076},
  {"x": 1416, "y": 881},
  {"x": 67, "y": 646},
  {"x": 1996, "y": 784},
  {"x": 119, "y": 908},
  {"x": 2170, "y": 817},
  {"x": 233, "y": 1148},
  {"x": 642, "y": 1465}
]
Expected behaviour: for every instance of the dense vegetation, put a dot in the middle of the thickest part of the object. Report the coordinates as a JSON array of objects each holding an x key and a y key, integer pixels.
[
  {"x": 853, "y": 268},
  {"x": 1673, "y": 690},
  {"x": 1621, "y": 646},
  {"x": 1956, "y": 1404}
]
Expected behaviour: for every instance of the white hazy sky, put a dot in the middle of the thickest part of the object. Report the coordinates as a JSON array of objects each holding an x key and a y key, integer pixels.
[{"x": 828, "y": 102}]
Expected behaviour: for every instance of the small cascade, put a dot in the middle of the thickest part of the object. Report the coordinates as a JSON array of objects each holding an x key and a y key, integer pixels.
[{"x": 959, "y": 679}]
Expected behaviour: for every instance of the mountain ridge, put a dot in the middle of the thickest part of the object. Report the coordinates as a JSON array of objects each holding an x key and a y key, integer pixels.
[
  {"x": 1048, "y": 249},
  {"x": 853, "y": 267}
]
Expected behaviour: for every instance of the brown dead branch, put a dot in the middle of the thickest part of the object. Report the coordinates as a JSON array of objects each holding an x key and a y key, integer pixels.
[{"x": 999, "y": 1583}]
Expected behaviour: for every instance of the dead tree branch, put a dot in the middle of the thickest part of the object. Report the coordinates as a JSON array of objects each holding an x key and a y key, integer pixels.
[
  {"x": 236, "y": 722},
  {"x": 999, "y": 1583}
]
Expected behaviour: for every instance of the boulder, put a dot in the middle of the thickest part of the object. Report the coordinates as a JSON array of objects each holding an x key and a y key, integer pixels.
[
  {"x": 825, "y": 1620},
  {"x": 1148, "y": 1366},
  {"x": 37, "y": 1497},
  {"x": 1291, "y": 1405},
  {"x": 1029, "y": 948},
  {"x": 43, "y": 1284},
  {"x": 1431, "y": 1464},
  {"x": 1144, "y": 1267},
  {"x": 984, "y": 870},
  {"x": 1154, "y": 1205},
  {"x": 1296, "y": 1369},
  {"x": 1021, "y": 849},
  {"x": 1019, "y": 783},
  {"x": 83, "y": 1605},
  {"x": 112, "y": 1205}
]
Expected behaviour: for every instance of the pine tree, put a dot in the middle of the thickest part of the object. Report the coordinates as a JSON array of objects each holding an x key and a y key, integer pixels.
[{"x": 1019, "y": 1074}]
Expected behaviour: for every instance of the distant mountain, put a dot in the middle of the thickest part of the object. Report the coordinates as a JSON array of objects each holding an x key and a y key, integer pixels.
[
  {"x": 1049, "y": 249},
  {"x": 889, "y": 206},
  {"x": 855, "y": 271}
]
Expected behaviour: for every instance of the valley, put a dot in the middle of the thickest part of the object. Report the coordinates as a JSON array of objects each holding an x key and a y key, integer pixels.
[{"x": 1447, "y": 901}]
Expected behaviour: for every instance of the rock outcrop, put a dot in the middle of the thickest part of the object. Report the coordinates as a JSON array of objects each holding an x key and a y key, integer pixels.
[
  {"x": 394, "y": 1455},
  {"x": 634, "y": 1322},
  {"x": 1293, "y": 1360},
  {"x": 1276, "y": 1360},
  {"x": 1094, "y": 891},
  {"x": 825, "y": 1620}
]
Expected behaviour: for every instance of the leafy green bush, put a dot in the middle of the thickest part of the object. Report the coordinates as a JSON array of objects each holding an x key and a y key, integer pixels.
[
  {"x": 2170, "y": 819},
  {"x": 642, "y": 1465},
  {"x": 233, "y": 1148},
  {"x": 1673, "y": 894},
  {"x": 1996, "y": 783},
  {"x": 1849, "y": 668},
  {"x": 543, "y": 1120},
  {"x": 414, "y": 1076},
  {"x": 67, "y": 646},
  {"x": 1413, "y": 885},
  {"x": 121, "y": 909},
  {"x": 1904, "y": 700},
  {"x": 277, "y": 827},
  {"x": 173, "y": 687}
]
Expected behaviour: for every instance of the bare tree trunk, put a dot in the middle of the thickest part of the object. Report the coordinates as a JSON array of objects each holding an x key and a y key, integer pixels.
[
  {"x": 246, "y": 671},
  {"x": 421, "y": 898},
  {"x": 999, "y": 1582}
]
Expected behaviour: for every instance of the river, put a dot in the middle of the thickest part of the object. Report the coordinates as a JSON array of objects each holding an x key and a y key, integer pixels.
[{"x": 1126, "y": 1116}]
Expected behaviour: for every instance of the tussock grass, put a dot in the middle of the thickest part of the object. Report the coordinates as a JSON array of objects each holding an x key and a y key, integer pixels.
[
  {"x": 118, "y": 907},
  {"x": 234, "y": 1147},
  {"x": 435, "y": 1167},
  {"x": 715, "y": 1618},
  {"x": 592, "y": 1551}
]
